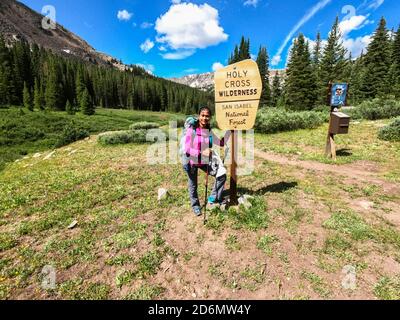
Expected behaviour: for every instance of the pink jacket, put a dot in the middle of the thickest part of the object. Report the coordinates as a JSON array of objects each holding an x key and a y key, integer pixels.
[{"x": 196, "y": 143}]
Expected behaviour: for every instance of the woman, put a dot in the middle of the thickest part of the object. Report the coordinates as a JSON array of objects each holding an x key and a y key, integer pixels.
[{"x": 197, "y": 148}]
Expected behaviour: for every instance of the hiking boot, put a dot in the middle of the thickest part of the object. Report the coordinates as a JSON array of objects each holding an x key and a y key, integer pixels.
[
  {"x": 212, "y": 200},
  {"x": 197, "y": 211}
]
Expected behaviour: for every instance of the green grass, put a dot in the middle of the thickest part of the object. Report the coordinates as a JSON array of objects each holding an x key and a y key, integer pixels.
[
  {"x": 317, "y": 283},
  {"x": 232, "y": 243},
  {"x": 38, "y": 131},
  {"x": 120, "y": 260},
  {"x": 80, "y": 290},
  {"x": 146, "y": 292},
  {"x": 124, "y": 278},
  {"x": 7, "y": 241},
  {"x": 265, "y": 242},
  {"x": 336, "y": 245},
  {"x": 360, "y": 144},
  {"x": 149, "y": 264},
  {"x": 351, "y": 224},
  {"x": 128, "y": 245},
  {"x": 388, "y": 288}
]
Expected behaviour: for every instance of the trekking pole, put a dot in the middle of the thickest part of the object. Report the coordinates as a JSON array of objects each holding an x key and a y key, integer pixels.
[{"x": 205, "y": 197}]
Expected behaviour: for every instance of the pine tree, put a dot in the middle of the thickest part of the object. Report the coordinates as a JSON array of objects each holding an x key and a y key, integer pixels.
[
  {"x": 333, "y": 62},
  {"x": 53, "y": 89},
  {"x": 241, "y": 52},
  {"x": 316, "y": 58},
  {"x": 69, "y": 108},
  {"x": 300, "y": 82},
  {"x": 236, "y": 57},
  {"x": 27, "y": 98},
  {"x": 377, "y": 63},
  {"x": 394, "y": 77},
  {"x": 317, "y": 53},
  {"x": 6, "y": 82},
  {"x": 276, "y": 90},
  {"x": 396, "y": 47},
  {"x": 87, "y": 106},
  {"x": 357, "y": 74},
  {"x": 38, "y": 96},
  {"x": 79, "y": 85},
  {"x": 263, "y": 66},
  {"x": 243, "y": 49}
]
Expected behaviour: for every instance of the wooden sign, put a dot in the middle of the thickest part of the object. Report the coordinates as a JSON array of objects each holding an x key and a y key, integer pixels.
[{"x": 237, "y": 95}]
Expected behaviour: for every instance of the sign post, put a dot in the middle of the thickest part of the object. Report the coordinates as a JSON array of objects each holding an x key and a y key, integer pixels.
[
  {"x": 237, "y": 96},
  {"x": 338, "y": 122}
]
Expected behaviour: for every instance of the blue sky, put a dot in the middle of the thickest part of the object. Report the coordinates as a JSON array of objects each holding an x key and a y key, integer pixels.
[{"x": 173, "y": 38}]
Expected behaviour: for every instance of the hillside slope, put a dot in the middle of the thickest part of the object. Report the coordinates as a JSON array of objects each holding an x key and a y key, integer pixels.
[{"x": 19, "y": 22}]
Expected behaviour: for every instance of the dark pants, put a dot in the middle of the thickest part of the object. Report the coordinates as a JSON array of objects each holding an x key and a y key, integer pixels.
[{"x": 192, "y": 172}]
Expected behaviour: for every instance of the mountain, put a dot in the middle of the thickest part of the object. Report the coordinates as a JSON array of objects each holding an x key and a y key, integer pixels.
[
  {"x": 205, "y": 81},
  {"x": 281, "y": 73},
  {"x": 19, "y": 22}
]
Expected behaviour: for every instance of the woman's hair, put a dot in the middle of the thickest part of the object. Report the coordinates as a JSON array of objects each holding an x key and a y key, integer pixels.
[{"x": 204, "y": 109}]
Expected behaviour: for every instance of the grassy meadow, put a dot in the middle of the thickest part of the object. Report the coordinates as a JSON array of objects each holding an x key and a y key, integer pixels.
[{"x": 311, "y": 220}]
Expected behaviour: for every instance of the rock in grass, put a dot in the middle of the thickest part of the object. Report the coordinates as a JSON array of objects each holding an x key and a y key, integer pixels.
[
  {"x": 244, "y": 200},
  {"x": 73, "y": 224},
  {"x": 162, "y": 194},
  {"x": 49, "y": 155}
]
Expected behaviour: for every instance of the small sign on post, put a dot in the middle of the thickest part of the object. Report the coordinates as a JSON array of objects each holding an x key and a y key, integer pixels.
[
  {"x": 237, "y": 96},
  {"x": 339, "y": 122}
]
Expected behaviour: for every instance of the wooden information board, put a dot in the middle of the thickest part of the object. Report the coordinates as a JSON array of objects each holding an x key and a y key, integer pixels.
[{"x": 237, "y": 95}]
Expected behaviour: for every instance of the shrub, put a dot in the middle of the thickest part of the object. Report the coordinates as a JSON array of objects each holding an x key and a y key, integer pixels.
[
  {"x": 376, "y": 109},
  {"x": 144, "y": 125},
  {"x": 71, "y": 133},
  {"x": 390, "y": 132},
  {"x": 123, "y": 137},
  {"x": 278, "y": 120}
]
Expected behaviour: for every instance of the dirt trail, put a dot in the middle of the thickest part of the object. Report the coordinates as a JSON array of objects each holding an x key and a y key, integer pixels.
[{"x": 362, "y": 172}]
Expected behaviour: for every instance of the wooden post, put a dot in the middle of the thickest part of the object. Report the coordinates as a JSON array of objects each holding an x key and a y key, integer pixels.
[
  {"x": 330, "y": 149},
  {"x": 233, "y": 184}
]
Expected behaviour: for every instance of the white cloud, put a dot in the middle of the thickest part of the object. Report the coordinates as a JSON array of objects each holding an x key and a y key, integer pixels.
[
  {"x": 375, "y": 4},
  {"x": 147, "y": 46},
  {"x": 124, "y": 15},
  {"x": 311, "y": 13},
  {"x": 357, "y": 45},
  {"x": 162, "y": 48},
  {"x": 276, "y": 60},
  {"x": 186, "y": 27},
  {"x": 253, "y": 3},
  {"x": 217, "y": 65},
  {"x": 148, "y": 67},
  {"x": 354, "y": 23},
  {"x": 146, "y": 25},
  {"x": 178, "y": 55},
  {"x": 176, "y": 1},
  {"x": 192, "y": 70},
  {"x": 313, "y": 43}
]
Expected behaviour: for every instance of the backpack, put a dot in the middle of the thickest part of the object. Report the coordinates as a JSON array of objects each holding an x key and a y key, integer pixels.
[{"x": 191, "y": 122}]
